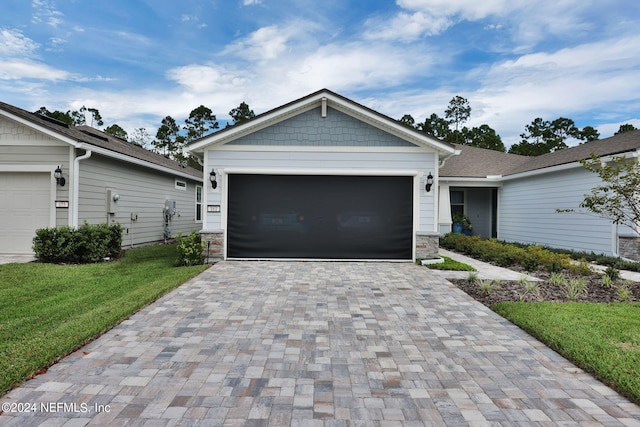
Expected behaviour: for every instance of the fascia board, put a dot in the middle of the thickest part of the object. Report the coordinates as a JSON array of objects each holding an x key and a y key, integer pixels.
[
  {"x": 254, "y": 125},
  {"x": 472, "y": 182},
  {"x": 316, "y": 171},
  {"x": 390, "y": 126},
  {"x": 551, "y": 169},
  {"x": 337, "y": 103},
  {"x": 53, "y": 134},
  {"x": 139, "y": 162}
]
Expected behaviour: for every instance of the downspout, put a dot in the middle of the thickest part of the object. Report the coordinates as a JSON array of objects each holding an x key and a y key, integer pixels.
[{"x": 76, "y": 186}]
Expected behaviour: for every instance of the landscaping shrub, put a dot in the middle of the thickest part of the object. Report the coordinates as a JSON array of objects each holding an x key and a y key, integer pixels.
[
  {"x": 504, "y": 254},
  {"x": 600, "y": 259},
  {"x": 85, "y": 244},
  {"x": 582, "y": 268},
  {"x": 612, "y": 273},
  {"x": 190, "y": 249}
]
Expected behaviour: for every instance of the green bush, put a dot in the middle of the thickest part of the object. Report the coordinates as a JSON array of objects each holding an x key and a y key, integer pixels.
[
  {"x": 190, "y": 249},
  {"x": 505, "y": 254},
  {"x": 85, "y": 244},
  {"x": 612, "y": 273}
]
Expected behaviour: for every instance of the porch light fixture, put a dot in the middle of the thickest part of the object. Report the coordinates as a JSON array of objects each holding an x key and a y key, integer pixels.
[
  {"x": 57, "y": 174},
  {"x": 212, "y": 178},
  {"x": 429, "y": 182}
]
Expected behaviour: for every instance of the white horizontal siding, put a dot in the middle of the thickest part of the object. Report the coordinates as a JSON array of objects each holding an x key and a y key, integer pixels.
[
  {"x": 527, "y": 212},
  {"x": 22, "y": 146},
  {"x": 333, "y": 162},
  {"x": 413, "y": 161}
]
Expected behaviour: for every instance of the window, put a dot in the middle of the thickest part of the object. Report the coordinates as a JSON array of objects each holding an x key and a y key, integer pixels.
[
  {"x": 457, "y": 202},
  {"x": 181, "y": 185},
  {"x": 198, "y": 203}
]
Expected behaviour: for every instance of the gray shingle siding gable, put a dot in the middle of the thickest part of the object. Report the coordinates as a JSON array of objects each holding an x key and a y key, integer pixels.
[{"x": 311, "y": 129}]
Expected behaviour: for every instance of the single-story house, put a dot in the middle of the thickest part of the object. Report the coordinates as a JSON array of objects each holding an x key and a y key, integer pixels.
[
  {"x": 324, "y": 177},
  {"x": 55, "y": 175},
  {"x": 536, "y": 200}
]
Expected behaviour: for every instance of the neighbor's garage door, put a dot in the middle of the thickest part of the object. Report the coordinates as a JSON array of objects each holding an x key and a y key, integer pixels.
[
  {"x": 24, "y": 207},
  {"x": 332, "y": 217}
]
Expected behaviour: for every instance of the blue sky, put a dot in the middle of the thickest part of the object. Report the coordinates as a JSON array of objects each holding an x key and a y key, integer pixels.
[{"x": 514, "y": 60}]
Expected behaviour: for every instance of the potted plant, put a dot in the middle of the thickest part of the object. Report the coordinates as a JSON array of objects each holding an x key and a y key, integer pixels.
[{"x": 462, "y": 224}]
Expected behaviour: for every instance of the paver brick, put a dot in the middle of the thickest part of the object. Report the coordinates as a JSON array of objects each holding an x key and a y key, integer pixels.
[{"x": 319, "y": 344}]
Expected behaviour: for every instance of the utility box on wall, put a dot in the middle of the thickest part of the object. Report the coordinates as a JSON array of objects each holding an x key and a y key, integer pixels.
[
  {"x": 112, "y": 199},
  {"x": 170, "y": 207}
]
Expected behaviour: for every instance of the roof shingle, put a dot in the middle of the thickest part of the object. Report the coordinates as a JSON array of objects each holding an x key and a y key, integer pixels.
[
  {"x": 95, "y": 137},
  {"x": 476, "y": 162}
]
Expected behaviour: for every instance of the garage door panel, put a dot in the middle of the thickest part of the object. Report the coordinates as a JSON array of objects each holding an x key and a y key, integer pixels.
[
  {"x": 25, "y": 208},
  {"x": 330, "y": 217}
]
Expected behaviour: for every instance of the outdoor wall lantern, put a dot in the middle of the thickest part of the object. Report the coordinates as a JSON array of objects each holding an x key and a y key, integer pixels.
[
  {"x": 57, "y": 174},
  {"x": 212, "y": 178},
  {"x": 429, "y": 182}
]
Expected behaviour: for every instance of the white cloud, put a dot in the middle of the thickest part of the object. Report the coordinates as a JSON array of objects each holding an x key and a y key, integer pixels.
[
  {"x": 431, "y": 17},
  {"x": 14, "y": 43},
  {"x": 193, "y": 20},
  {"x": 17, "y": 70},
  {"x": 198, "y": 78},
  {"x": 356, "y": 65},
  {"x": 574, "y": 81},
  {"x": 283, "y": 59},
  {"x": 263, "y": 44},
  {"x": 47, "y": 12},
  {"x": 406, "y": 26},
  {"x": 17, "y": 53},
  {"x": 528, "y": 22},
  {"x": 594, "y": 81},
  {"x": 598, "y": 56}
]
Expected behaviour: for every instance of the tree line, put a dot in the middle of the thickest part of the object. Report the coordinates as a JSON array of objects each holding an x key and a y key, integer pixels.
[
  {"x": 540, "y": 136},
  {"x": 171, "y": 138}
]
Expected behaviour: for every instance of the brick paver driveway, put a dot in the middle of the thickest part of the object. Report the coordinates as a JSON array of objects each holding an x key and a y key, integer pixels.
[{"x": 313, "y": 343}]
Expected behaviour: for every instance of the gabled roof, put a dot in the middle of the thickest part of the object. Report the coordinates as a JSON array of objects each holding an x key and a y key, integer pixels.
[
  {"x": 476, "y": 162},
  {"x": 323, "y": 98},
  {"x": 86, "y": 137},
  {"x": 617, "y": 144}
]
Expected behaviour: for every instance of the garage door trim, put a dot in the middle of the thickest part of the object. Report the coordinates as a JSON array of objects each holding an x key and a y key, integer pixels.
[{"x": 225, "y": 172}]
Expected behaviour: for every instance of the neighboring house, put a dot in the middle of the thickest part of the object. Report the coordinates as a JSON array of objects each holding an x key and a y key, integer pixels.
[
  {"x": 517, "y": 198},
  {"x": 321, "y": 178},
  {"x": 104, "y": 180}
]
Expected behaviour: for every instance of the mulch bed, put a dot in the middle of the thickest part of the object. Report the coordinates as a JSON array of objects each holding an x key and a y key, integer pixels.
[{"x": 546, "y": 291}]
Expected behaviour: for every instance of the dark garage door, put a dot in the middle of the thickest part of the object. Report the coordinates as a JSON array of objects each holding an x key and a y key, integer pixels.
[{"x": 330, "y": 217}]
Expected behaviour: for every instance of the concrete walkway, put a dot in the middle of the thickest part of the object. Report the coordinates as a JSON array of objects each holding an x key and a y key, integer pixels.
[
  {"x": 316, "y": 344},
  {"x": 484, "y": 270},
  {"x": 489, "y": 271},
  {"x": 11, "y": 258}
]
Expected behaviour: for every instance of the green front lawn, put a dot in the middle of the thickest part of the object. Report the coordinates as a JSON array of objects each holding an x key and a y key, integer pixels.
[
  {"x": 603, "y": 339},
  {"x": 450, "y": 264},
  {"x": 48, "y": 311}
]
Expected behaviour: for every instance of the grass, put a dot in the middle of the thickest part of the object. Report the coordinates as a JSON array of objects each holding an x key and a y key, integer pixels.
[
  {"x": 450, "y": 264},
  {"x": 49, "y": 310},
  {"x": 603, "y": 339}
]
